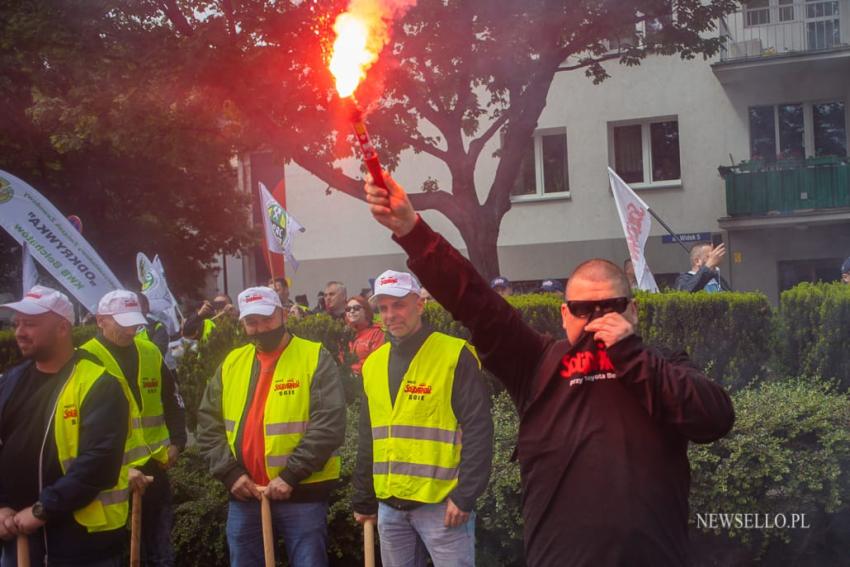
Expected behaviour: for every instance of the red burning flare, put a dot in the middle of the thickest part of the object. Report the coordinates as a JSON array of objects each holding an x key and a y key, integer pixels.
[{"x": 361, "y": 34}]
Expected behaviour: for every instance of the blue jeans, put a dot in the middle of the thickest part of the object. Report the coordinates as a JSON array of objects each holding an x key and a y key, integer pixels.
[
  {"x": 303, "y": 526},
  {"x": 408, "y": 537}
]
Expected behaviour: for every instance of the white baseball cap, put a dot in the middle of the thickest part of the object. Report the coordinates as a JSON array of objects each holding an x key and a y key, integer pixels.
[
  {"x": 258, "y": 301},
  {"x": 40, "y": 300},
  {"x": 123, "y": 306},
  {"x": 396, "y": 284}
]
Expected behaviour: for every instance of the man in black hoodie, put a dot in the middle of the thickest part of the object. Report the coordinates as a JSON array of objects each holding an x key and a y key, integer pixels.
[
  {"x": 63, "y": 425},
  {"x": 605, "y": 420}
]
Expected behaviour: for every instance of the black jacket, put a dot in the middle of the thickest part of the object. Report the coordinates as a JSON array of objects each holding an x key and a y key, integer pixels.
[
  {"x": 471, "y": 405},
  {"x": 602, "y": 442},
  {"x": 698, "y": 280},
  {"x": 103, "y": 433}
]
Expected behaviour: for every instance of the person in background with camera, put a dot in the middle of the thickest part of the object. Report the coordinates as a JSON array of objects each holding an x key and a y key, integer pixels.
[{"x": 199, "y": 325}]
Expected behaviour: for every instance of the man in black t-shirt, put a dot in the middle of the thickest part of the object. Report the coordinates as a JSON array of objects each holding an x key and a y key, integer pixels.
[{"x": 73, "y": 511}]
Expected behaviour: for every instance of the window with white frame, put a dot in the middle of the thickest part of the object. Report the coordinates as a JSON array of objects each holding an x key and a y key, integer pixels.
[
  {"x": 757, "y": 13},
  {"x": 646, "y": 153},
  {"x": 544, "y": 169},
  {"x": 797, "y": 130}
]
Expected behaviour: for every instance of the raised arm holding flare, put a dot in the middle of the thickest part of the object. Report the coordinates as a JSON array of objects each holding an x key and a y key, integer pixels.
[{"x": 605, "y": 420}]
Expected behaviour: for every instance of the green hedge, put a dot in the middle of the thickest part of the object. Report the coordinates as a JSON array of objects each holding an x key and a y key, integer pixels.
[
  {"x": 727, "y": 334},
  {"x": 813, "y": 328},
  {"x": 789, "y": 452}
]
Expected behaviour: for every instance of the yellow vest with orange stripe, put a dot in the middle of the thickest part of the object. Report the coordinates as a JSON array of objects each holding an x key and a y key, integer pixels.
[
  {"x": 416, "y": 441},
  {"x": 287, "y": 412}
]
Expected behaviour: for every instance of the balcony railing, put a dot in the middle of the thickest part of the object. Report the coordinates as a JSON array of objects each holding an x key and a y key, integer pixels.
[
  {"x": 766, "y": 28},
  {"x": 786, "y": 187}
]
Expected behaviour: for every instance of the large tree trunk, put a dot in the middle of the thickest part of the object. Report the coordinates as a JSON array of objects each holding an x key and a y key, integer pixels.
[{"x": 481, "y": 234}]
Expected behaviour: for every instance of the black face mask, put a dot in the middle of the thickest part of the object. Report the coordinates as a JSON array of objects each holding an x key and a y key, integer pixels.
[
  {"x": 267, "y": 341},
  {"x": 584, "y": 343}
]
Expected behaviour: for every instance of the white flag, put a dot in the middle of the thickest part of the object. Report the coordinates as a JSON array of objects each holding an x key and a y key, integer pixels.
[
  {"x": 54, "y": 242},
  {"x": 163, "y": 306},
  {"x": 29, "y": 273},
  {"x": 637, "y": 222},
  {"x": 280, "y": 227}
]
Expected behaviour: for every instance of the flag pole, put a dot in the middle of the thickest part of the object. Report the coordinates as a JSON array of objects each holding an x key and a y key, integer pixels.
[{"x": 668, "y": 229}]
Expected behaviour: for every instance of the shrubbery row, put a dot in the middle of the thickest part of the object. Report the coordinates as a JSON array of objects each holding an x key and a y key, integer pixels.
[{"x": 789, "y": 452}]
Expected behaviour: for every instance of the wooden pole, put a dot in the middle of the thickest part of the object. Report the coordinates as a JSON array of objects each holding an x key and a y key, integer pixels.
[
  {"x": 268, "y": 532},
  {"x": 23, "y": 551},
  {"x": 136, "y": 530},
  {"x": 136, "y": 527},
  {"x": 369, "y": 543}
]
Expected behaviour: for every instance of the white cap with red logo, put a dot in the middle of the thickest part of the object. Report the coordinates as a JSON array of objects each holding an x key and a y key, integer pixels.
[
  {"x": 123, "y": 306},
  {"x": 258, "y": 301},
  {"x": 40, "y": 300},
  {"x": 396, "y": 284}
]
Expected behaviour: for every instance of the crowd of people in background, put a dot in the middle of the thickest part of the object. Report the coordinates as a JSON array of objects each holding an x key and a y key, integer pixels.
[{"x": 273, "y": 416}]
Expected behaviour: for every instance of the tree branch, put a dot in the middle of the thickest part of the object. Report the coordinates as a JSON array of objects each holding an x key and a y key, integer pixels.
[
  {"x": 227, "y": 6},
  {"x": 439, "y": 201},
  {"x": 588, "y": 62},
  {"x": 477, "y": 145},
  {"x": 424, "y": 147},
  {"x": 331, "y": 175},
  {"x": 173, "y": 13}
]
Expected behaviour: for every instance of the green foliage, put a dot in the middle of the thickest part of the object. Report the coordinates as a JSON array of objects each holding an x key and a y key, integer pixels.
[
  {"x": 332, "y": 333},
  {"x": 727, "y": 334},
  {"x": 195, "y": 369},
  {"x": 200, "y": 513},
  {"x": 789, "y": 452},
  {"x": 813, "y": 331},
  {"x": 345, "y": 541},
  {"x": 96, "y": 118},
  {"x": 498, "y": 530}
]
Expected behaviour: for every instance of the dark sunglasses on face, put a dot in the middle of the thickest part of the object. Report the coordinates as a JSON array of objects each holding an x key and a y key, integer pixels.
[
  {"x": 353, "y": 308},
  {"x": 584, "y": 309}
]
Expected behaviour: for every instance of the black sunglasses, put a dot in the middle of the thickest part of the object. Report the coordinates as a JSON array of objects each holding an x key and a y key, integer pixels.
[
  {"x": 353, "y": 308},
  {"x": 584, "y": 309}
]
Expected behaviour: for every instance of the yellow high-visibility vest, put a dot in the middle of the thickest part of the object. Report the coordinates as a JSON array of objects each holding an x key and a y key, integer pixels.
[
  {"x": 287, "y": 412},
  {"x": 416, "y": 441},
  {"x": 150, "y": 437},
  {"x": 108, "y": 511},
  {"x": 209, "y": 327}
]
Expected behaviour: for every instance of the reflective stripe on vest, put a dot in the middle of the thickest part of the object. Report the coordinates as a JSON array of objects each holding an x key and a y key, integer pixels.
[
  {"x": 108, "y": 511},
  {"x": 416, "y": 441},
  {"x": 148, "y": 421},
  {"x": 287, "y": 412}
]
